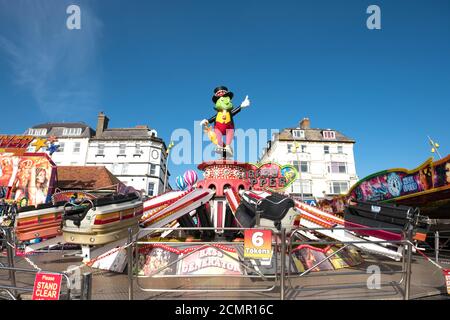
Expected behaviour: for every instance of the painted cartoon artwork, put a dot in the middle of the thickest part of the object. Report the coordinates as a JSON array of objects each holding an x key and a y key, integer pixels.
[
  {"x": 28, "y": 179},
  {"x": 6, "y": 169},
  {"x": 442, "y": 173},
  {"x": 396, "y": 183},
  {"x": 306, "y": 257},
  {"x": 157, "y": 258}
]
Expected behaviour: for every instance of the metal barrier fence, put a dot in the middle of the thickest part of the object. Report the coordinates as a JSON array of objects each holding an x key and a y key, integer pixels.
[
  {"x": 404, "y": 244},
  {"x": 441, "y": 247},
  {"x": 13, "y": 290},
  {"x": 135, "y": 245},
  {"x": 280, "y": 245}
]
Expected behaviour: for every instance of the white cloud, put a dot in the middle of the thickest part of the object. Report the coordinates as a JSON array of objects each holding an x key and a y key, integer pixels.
[{"x": 57, "y": 66}]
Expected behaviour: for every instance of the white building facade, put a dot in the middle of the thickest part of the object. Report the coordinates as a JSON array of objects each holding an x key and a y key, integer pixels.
[
  {"x": 136, "y": 156},
  {"x": 73, "y": 140},
  {"x": 323, "y": 157}
]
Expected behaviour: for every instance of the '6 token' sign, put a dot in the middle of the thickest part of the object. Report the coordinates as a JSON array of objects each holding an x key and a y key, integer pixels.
[{"x": 258, "y": 244}]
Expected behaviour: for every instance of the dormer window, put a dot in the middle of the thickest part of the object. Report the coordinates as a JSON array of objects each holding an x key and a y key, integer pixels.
[
  {"x": 298, "y": 134},
  {"x": 328, "y": 134},
  {"x": 37, "y": 132},
  {"x": 72, "y": 131}
]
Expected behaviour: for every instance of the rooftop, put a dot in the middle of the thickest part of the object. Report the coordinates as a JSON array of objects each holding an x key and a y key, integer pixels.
[
  {"x": 85, "y": 178},
  {"x": 137, "y": 133},
  {"x": 315, "y": 134},
  {"x": 63, "y": 129}
]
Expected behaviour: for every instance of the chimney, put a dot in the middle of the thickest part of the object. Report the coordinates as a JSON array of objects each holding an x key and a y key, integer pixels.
[
  {"x": 305, "y": 123},
  {"x": 102, "y": 124}
]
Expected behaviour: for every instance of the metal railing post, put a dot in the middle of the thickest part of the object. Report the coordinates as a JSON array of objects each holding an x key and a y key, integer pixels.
[
  {"x": 86, "y": 286},
  {"x": 283, "y": 262},
  {"x": 10, "y": 253},
  {"x": 130, "y": 263},
  {"x": 408, "y": 266},
  {"x": 436, "y": 245}
]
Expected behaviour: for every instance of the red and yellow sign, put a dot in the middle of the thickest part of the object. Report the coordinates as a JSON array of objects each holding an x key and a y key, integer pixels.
[
  {"x": 16, "y": 144},
  {"x": 47, "y": 286},
  {"x": 258, "y": 244}
]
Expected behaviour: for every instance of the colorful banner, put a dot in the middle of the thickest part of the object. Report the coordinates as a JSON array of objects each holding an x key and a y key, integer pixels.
[
  {"x": 271, "y": 176},
  {"x": 398, "y": 183},
  {"x": 210, "y": 261},
  {"x": 28, "y": 179},
  {"x": 213, "y": 260},
  {"x": 15, "y": 144}
]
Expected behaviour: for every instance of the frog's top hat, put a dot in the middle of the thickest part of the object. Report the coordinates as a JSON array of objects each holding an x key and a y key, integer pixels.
[{"x": 221, "y": 92}]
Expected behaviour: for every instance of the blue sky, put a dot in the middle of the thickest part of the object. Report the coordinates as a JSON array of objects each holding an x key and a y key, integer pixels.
[{"x": 157, "y": 62}]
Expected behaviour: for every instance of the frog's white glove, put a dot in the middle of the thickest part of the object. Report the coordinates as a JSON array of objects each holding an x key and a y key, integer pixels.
[
  {"x": 203, "y": 122},
  {"x": 245, "y": 103}
]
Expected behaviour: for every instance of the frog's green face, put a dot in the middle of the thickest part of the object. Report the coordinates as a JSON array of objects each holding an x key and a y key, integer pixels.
[{"x": 224, "y": 103}]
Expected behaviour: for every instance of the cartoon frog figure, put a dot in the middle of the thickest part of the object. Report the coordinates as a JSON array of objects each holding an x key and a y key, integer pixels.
[{"x": 223, "y": 120}]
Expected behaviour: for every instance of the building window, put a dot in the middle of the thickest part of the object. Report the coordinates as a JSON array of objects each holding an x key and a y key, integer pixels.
[
  {"x": 72, "y": 131},
  {"x": 329, "y": 134},
  {"x": 151, "y": 189},
  {"x": 338, "y": 187},
  {"x": 152, "y": 169},
  {"x": 340, "y": 149},
  {"x": 293, "y": 148},
  {"x": 61, "y": 147},
  {"x": 101, "y": 149},
  {"x": 124, "y": 168},
  {"x": 137, "y": 149},
  {"x": 122, "y": 148},
  {"x": 302, "y": 166},
  {"x": 337, "y": 167},
  {"x": 326, "y": 149},
  {"x": 37, "y": 132},
  {"x": 298, "y": 134},
  {"x": 303, "y": 186},
  {"x": 76, "y": 147}
]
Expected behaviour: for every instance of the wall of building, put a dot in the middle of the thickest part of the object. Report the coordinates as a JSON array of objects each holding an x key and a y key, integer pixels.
[
  {"x": 136, "y": 167},
  {"x": 317, "y": 179},
  {"x": 70, "y": 155}
]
